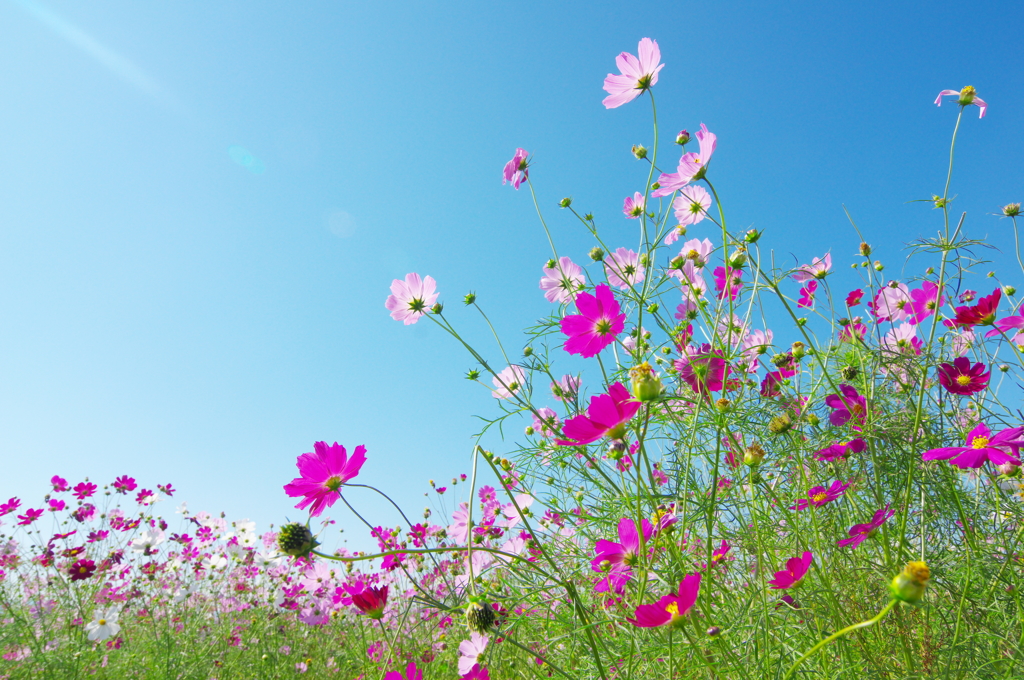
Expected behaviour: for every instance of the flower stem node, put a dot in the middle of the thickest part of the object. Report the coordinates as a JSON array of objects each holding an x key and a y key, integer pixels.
[
  {"x": 296, "y": 540},
  {"x": 479, "y": 615},
  {"x": 645, "y": 382},
  {"x": 640, "y": 151},
  {"x": 908, "y": 586},
  {"x": 596, "y": 254}
]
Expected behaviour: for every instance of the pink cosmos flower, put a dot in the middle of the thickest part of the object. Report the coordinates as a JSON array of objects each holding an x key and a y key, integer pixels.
[
  {"x": 670, "y": 609},
  {"x": 924, "y": 301},
  {"x": 56, "y": 505},
  {"x": 477, "y": 672},
  {"x": 859, "y": 532},
  {"x": 606, "y": 416},
  {"x": 623, "y": 268},
  {"x": 807, "y": 294},
  {"x": 981, "y": 446},
  {"x": 692, "y": 166},
  {"x": 892, "y": 303},
  {"x": 544, "y": 420},
  {"x": 10, "y": 506},
  {"x": 566, "y": 388},
  {"x": 902, "y": 340},
  {"x": 965, "y": 97},
  {"x": 411, "y": 673},
  {"x": 839, "y": 451},
  {"x": 961, "y": 377},
  {"x": 636, "y": 74},
  {"x": 819, "y": 496},
  {"x": 850, "y": 406},
  {"x": 324, "y": 472},
  {"x": 508, "y": 382},
  {"x": 1007, "y": 324},
  {"x": 691, "y": 206},
  {"x": 981, "y": 314},
  {"x": 854, "y": 297},
  {"x": 83, "y": 490},
  {"x": 853, "y": 331},
  {"x": 963, "y": 341},
  {"x": 412, "y": 298},
  {"x": 30, "y": 516},
  {"x": 59, "y": 483},
  {"x": 721, "y": 554},
  {"x": 599, "y": 322},
  {"x": 624, "y": 552},
  {"x": 517, "y": 169},
  {"x": 705, "y": 371},
  {"x": 754, "y": 345},
  {"x": 692, "y": 281},
  {"x": 633, "y": 207},
  {"x": 371, "y": 601},
  {"x": 817, "y": 269},
  {"x": 562, "y": 282},
  {"x": 470, "y": 650},
  {"x": 124, "y": 484},
  {"x": 733, "y": 276},
  {"x": 796, "y": 568}
]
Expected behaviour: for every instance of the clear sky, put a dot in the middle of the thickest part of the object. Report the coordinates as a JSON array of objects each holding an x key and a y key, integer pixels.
[{"x": 203, "y": 204}]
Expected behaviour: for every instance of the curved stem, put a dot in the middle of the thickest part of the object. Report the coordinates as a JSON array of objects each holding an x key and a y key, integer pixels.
[{"x": 838, "y": 634}]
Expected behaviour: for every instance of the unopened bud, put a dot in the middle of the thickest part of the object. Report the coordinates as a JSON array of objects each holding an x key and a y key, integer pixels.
[
  {"x": 714, "y": 630},
  {"x": 589, "y": 217},
  {"x": 1004, "y": 368},
  {"x": 470, "y": 298},
  {"x": 723, "y": 404},
  {"x": 849, "y": 372},
  {"x": 1008, "y": 469},
  {"x": 645, "y": 382},
  {"x": 753, "y": 455},
  {"x": 1009, "y": 290},
  {"x": 811, "y": 419},
  {"x": 565, "y": 202},
  {"x": 527, "y": 351},
  {"x": 653, "y": 308},
  {"x": 529, "y": 430},
  {"x": 1011, "y": 209},
  {"x": 437, "y": 308},
  {"x": 752, "y": 235},
  {"x": 780, "y": 423},
  {"x": 798, "y": 350},
  {"x": 472, "y": 374},
  {"x": 738, "y": 258},
  {"x": 682, "y": 138},
  {"x": 909, "y": 584},
  {"x": 639, "y": 151},
  {"x": 879, "y": 266},
  {"x": 596, "y": 254},
  {"x": 616, "y": 447},
  {"x": 865, "y": 249},
  {"x": 296, "y": 540}
]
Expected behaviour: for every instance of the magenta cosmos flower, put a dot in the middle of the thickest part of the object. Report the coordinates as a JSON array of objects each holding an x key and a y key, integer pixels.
[
  {"x": 965, "y": 97},
  {"x": 412, "y": 298},
  {"x": 606, "y": 416},
  {"x": 411, "y": 673},
  {"x": 600, "y": 320},
  {"x": 692, "y": 166},
  {"x": 859, "y": 532},
  {"x": 796, "y": 568},
  {"x": 819, "y": 496},
  {"x": 961, "y": 377},
  {"x": 636, "y": 74},
  {"x": 670, "y": 609},
  {"x": 839, "y": 450},
  {"x": 371, "y": 601},
  {"x": 981, "y": 314},
  {"x": 850, "y": 406},
  {"x": 982, "y": 446},
  {"x": 705, "y": 371},
  {"x": 323, "y": 472},
  {"x": 626, "y": 550},
  {"x": 924, "y": 301},
  {"x": 563, "y": 281},
  {"x": 517, "y": 169}
]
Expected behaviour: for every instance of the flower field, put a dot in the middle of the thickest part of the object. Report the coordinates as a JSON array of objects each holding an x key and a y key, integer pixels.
[{"x": 713, "y": 466}]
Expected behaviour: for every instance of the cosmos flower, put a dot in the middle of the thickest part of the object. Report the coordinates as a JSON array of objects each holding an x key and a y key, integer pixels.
[
  {"x": 517, "y": 169},
  {"x": 371, "y": 601},
  {"x": 82, "y": 569},
  {"x": 981, "y": 314},
  {"x": 323, "y": 472},
  {"x": 633, "y": 207},
  {"x": 563, "y": 281},
  {"x": 670, "y": 609},
  {"x": 892, "y": 303},
  {"x": 854, "y": 297},
  {"x": 819, "y": 496},
  {"x": 31, "y": 515},
  {"x": 796, "y": 568},
  {"x": 412, "y": 298},
  {"x": 411, "y": 673},
  {"x": 807, "y": 294},
  {"x": 839, "y": 451},
  {"x": 606, "y": 416},
  {"x": 981, "y": 446},
  {"x": 83, "y": 490},
  {"x": 470, "y": 651},
  {"x": 125, "y": 484},
  {"x": 508, "y": 382},
  {"x": 961, "y": 377},
  {"x": 924, "y": 301},
  {"x": 1007, "y": 324},
  {"x": 636, "y": 74},
  {"x": 965, "y": 97},
  {"x": 59, "y": 483},
  {"x": 850, "y": 406},
  {"x": 691, "y": 206},
  {"x": 103, "y": 624},
  {"x": 705, "y": 371},
  {"x": 623, "y": 268},
  {"x": 859, "y": 532},
  {"x": 10, "y": 506},
  {"x": 733, "y": 276},
  {"x": 624, "y": 552},
  {"x": 692, "y": 166},
  {"x": 817, "y": 269},
  {"x": 600, "y": 320}
]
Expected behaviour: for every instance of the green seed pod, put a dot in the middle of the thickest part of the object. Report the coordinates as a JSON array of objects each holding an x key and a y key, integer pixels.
[
  {"x": 479, "y": 615},
  {"x": 296, "y": 540}
]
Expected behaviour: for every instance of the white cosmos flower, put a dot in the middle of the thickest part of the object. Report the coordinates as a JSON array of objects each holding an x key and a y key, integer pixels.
[
  {"x": 148, "y": 540},
  {"x": 103, "y": 624}
]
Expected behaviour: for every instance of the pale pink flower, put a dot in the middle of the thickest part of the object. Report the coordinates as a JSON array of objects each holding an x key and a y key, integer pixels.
[
  {"x": 633, "y": 207},
  {"x": 636, "y": 75},
  {"x": 731, "y": 330},
  {"x": 563, "y": 281},
  {"x": 691, "y": 205},
  {"x": 623, "y": 268},
  {"x": 508, "y": 382},
  {"x": 692, "y": 279},
  {"x": 692, "y": 166},
  {"x": 517, "y": 169},
  {"x": 698, "y": 251},
  {"x": 817, "y": 269},
  {"x": 903, "y": 340},
  {"x": 965, "y": 97},
  {"x": 892, "y": 303},
  {"x": 754, "y": 345},
  {"x": 566, "y": 388},
  {"x": 963, "y": 341},
  {"x": 471, "y": 650},
  {"x": 412, "y": 298}
]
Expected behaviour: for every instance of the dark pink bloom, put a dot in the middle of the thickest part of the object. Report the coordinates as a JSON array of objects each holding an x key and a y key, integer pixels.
[
  {"x": 853, "y": 331},
  {"x": 83, "y": 490},
  {"x": 859, "y": 532},
  {"x": 965, "y": 97},
  {"x": 412, "y": 298},
  {"x": 636, "y": 74},
  {"x": 721, "y": 554},
  {"x": 124, "y": 484},
  {"x": 670, "y": 609},
  {"x": 704, "y": 371},
  {"x": 796, "y": 568},
  {"x": 692, "y": 166},
  {"x": 818, "y": 269},
  {"x": 981, "y": 446},
  {"x": 771, "y": 386},
  {"x": 323, "y": 472},
  {"x": 625, "y": 552},
  {"x": 606, "y": 416},
  {"x": 411, "y": 673},
  {"x": 924, "y": 301},
  {"x": 371, "y": 601},
  {"x": 600, "y": 320},
  {"x": 1007, "y": 324},
  {"x": 9, "y": 507},
  {"x": 97, "y": 536},
  {"x": 56, "y": 505},
  {"x": 517, "y": 169},
  {"x": 854, "y": 298},
  {"x": 477, "y": 672},
  {"x": 961, "y": 377},
  {"x": 981, "y": 314},
  {"x": 82, "y": 569},
  {"x": 733, "y": 277},
  {"x": 59, "y": 483},
  {"x": 807, "y": 294},
  {"x": 850, "y": 406},
  {"x": 839, "y": 451},
  {"x": 29, "y": 517},
  {"x": 819, "y": 496}
]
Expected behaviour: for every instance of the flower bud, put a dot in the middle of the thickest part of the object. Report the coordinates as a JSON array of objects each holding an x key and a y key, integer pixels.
[
  {"x": 752, "y": 235},
  {"x": 529, "y": 430},
  {"x": 864, "y": 249},
  {"x": 565, "y": 202},
  {"x": 682, "y": 138},
  {"x": 723, "y": 404},
  {"x": 506, "y": 465},
  {"x": 1009, "y": 290},
  {"x": 713, "y": 631},
  {"x": 908, "y": 586},
  {"x": 527, "y": 351},
  {"x": 596, "y": 254},
  {"x": 616, "y": 447},
  {"x": 798, "y": 350},
  {"x": 967, "y": 95},
  {"x": 1008, "y": 469},
  {"x": 849, "y": 372},
  {"x": 939, "y": 201},
  {"x": 296, "y": 540},
  {"x": 753, "y": 455},
  {"x": 1011, "y": 209},
  {"x": 802, "y": 321},
  {"x": 589, "y": 217},
  {"x": 653, "y": 308},
  {"x": 811, "y": 419},
  {"x": 879, "y": 266},
  {"x": 645, "y": 382},
  {"x": 472, "y": 374},
  {"x": 738, "y": 258},
  {"x": 470, "y": 298},
  {"x": 780, "y": 423},
  {"x": 437, "y": 308},
  {"x": 1004, "y": 368},
  {"x": 479, "y": 615},
  {"x": 639, "y": 151}
]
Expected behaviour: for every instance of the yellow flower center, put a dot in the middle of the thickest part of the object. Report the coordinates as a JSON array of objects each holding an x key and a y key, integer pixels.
[
  {"x": 673, "y": 609},
  {"x": 819, "y": 497},
  {"x": 979, "y": 443},
  {"x": 333, "y": 483},
  {"x": 102, "y": 622},
  {"x": 963, "y": 380}
]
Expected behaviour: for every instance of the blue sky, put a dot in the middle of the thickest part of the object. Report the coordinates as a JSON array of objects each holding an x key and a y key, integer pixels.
[{"x": 202, "y": 205}]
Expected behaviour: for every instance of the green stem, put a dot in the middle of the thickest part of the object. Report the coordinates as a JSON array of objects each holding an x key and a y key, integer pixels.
[{"x": 838, "y": 634}]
